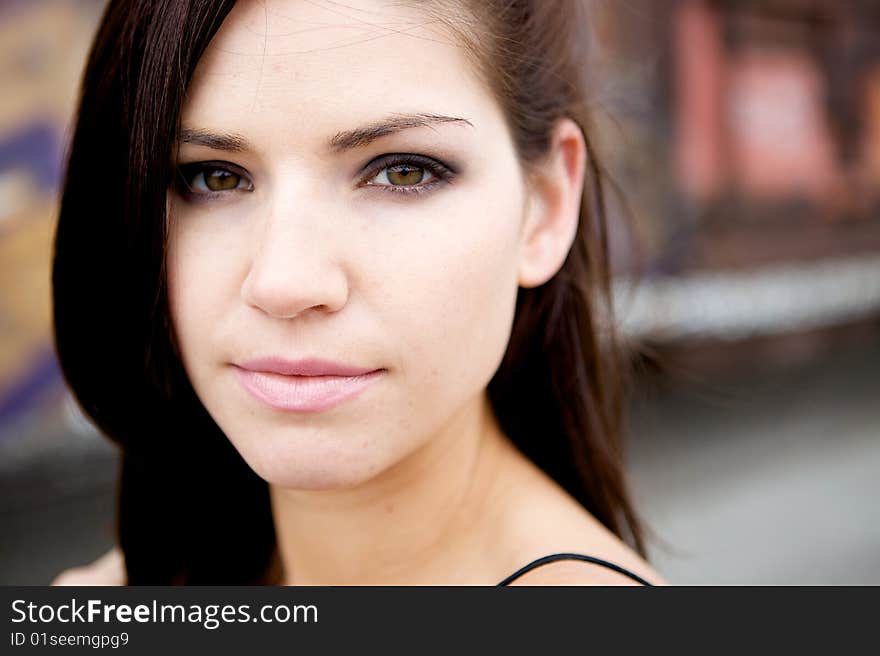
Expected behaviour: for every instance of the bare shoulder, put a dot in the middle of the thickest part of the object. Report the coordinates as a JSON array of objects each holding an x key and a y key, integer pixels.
[
  {"x": 545, "y": 520},
  {"x": 594, "y": 555},
  {"x": 109, "y": 569}
]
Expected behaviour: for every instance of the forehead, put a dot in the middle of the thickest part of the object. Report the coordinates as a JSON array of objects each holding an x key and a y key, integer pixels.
[{"x": 278, "y": 66}]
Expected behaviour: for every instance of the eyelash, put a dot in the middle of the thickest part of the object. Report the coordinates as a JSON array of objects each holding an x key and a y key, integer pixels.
[
  {"x": 442, "y": 173},
  {"x": 186, "y": 173}
]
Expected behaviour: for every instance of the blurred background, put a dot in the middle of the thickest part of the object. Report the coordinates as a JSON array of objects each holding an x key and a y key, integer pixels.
[{"x": 744, "y": 139}]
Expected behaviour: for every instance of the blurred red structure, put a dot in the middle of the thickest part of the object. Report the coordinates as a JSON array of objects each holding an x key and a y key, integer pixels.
[
  {"x": 774, "y": 108},
  {"x": 753, "y": 168}
]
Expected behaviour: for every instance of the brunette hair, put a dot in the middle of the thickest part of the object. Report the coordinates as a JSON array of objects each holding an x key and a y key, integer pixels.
[{"x": 190, "y": 509}]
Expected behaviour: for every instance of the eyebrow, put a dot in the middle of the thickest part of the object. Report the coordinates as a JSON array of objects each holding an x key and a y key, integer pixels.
[
  {"x": 234, "y": 143},
  {"x": 341, "y": 141},
  {"x": 394, "y": 123}
]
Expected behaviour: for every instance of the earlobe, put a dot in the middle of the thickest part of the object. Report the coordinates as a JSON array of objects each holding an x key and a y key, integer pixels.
[{"x": 553, "y": 208}]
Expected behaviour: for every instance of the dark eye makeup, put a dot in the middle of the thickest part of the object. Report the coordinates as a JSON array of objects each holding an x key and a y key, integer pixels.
[
  {"x": 397, "y": 170},
  {"x": 210, "y": 180},
  {"x": 396, "y": 173}
]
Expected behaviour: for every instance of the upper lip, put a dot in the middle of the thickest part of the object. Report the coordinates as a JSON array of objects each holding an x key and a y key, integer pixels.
[{"x": 304, "y": 367}]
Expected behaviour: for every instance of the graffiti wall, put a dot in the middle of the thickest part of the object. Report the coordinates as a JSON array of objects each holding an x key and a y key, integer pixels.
[{"x": 42, "y": 47}]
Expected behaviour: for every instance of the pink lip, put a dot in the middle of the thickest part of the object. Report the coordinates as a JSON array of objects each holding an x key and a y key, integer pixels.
[{"x": 309, "y": 385}]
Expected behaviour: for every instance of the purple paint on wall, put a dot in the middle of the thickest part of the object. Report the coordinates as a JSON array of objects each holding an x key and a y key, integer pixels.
[
  {"x": 35, "y": 148},
  {"x": 27, "y": 390}
]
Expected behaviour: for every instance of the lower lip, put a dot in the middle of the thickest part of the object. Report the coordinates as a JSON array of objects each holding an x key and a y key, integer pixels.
[{"x": 303, "y": 393}]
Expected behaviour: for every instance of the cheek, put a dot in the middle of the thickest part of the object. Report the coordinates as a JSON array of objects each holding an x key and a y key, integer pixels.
[
  {"x": 454, "y": 289},
  {"x": 198, "y": 284}
]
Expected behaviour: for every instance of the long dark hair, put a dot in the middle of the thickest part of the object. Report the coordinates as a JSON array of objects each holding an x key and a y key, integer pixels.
[{"x": 190, "y": 509}]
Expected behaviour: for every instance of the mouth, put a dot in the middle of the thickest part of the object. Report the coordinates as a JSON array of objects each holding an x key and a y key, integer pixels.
[{"x": 303, "y": 386}]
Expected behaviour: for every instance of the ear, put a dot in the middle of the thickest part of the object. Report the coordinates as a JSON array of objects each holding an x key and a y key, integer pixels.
[{"x": 553, "y": 207}]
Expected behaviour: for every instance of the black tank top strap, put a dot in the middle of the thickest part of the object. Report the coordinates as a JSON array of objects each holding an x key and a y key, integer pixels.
[{"x": 572, "y": 556}]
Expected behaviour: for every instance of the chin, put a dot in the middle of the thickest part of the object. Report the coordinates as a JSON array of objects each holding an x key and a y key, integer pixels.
[
  {"x": 315, "y": 480},
  {"x": 313, "y": 471}
]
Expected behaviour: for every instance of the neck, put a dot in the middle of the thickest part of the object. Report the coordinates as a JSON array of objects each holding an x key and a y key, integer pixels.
[{"x": 422, "y": 521}]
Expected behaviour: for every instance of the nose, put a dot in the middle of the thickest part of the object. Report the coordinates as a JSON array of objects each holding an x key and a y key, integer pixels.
[{"x": 295, "y": 268}]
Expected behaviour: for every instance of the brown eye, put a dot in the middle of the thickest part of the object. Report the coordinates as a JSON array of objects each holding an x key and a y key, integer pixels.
[
  {"x": 221, "y": 180},
  {"x": 405, "y": 174},
  {"x": 204, "y": 180}
]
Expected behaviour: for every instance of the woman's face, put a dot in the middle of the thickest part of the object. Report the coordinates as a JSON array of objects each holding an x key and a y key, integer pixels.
[{"x": 364, "y": 207}]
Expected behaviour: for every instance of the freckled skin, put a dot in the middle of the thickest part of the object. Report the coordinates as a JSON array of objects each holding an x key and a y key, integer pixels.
[{"x": 311, "y": 264}]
